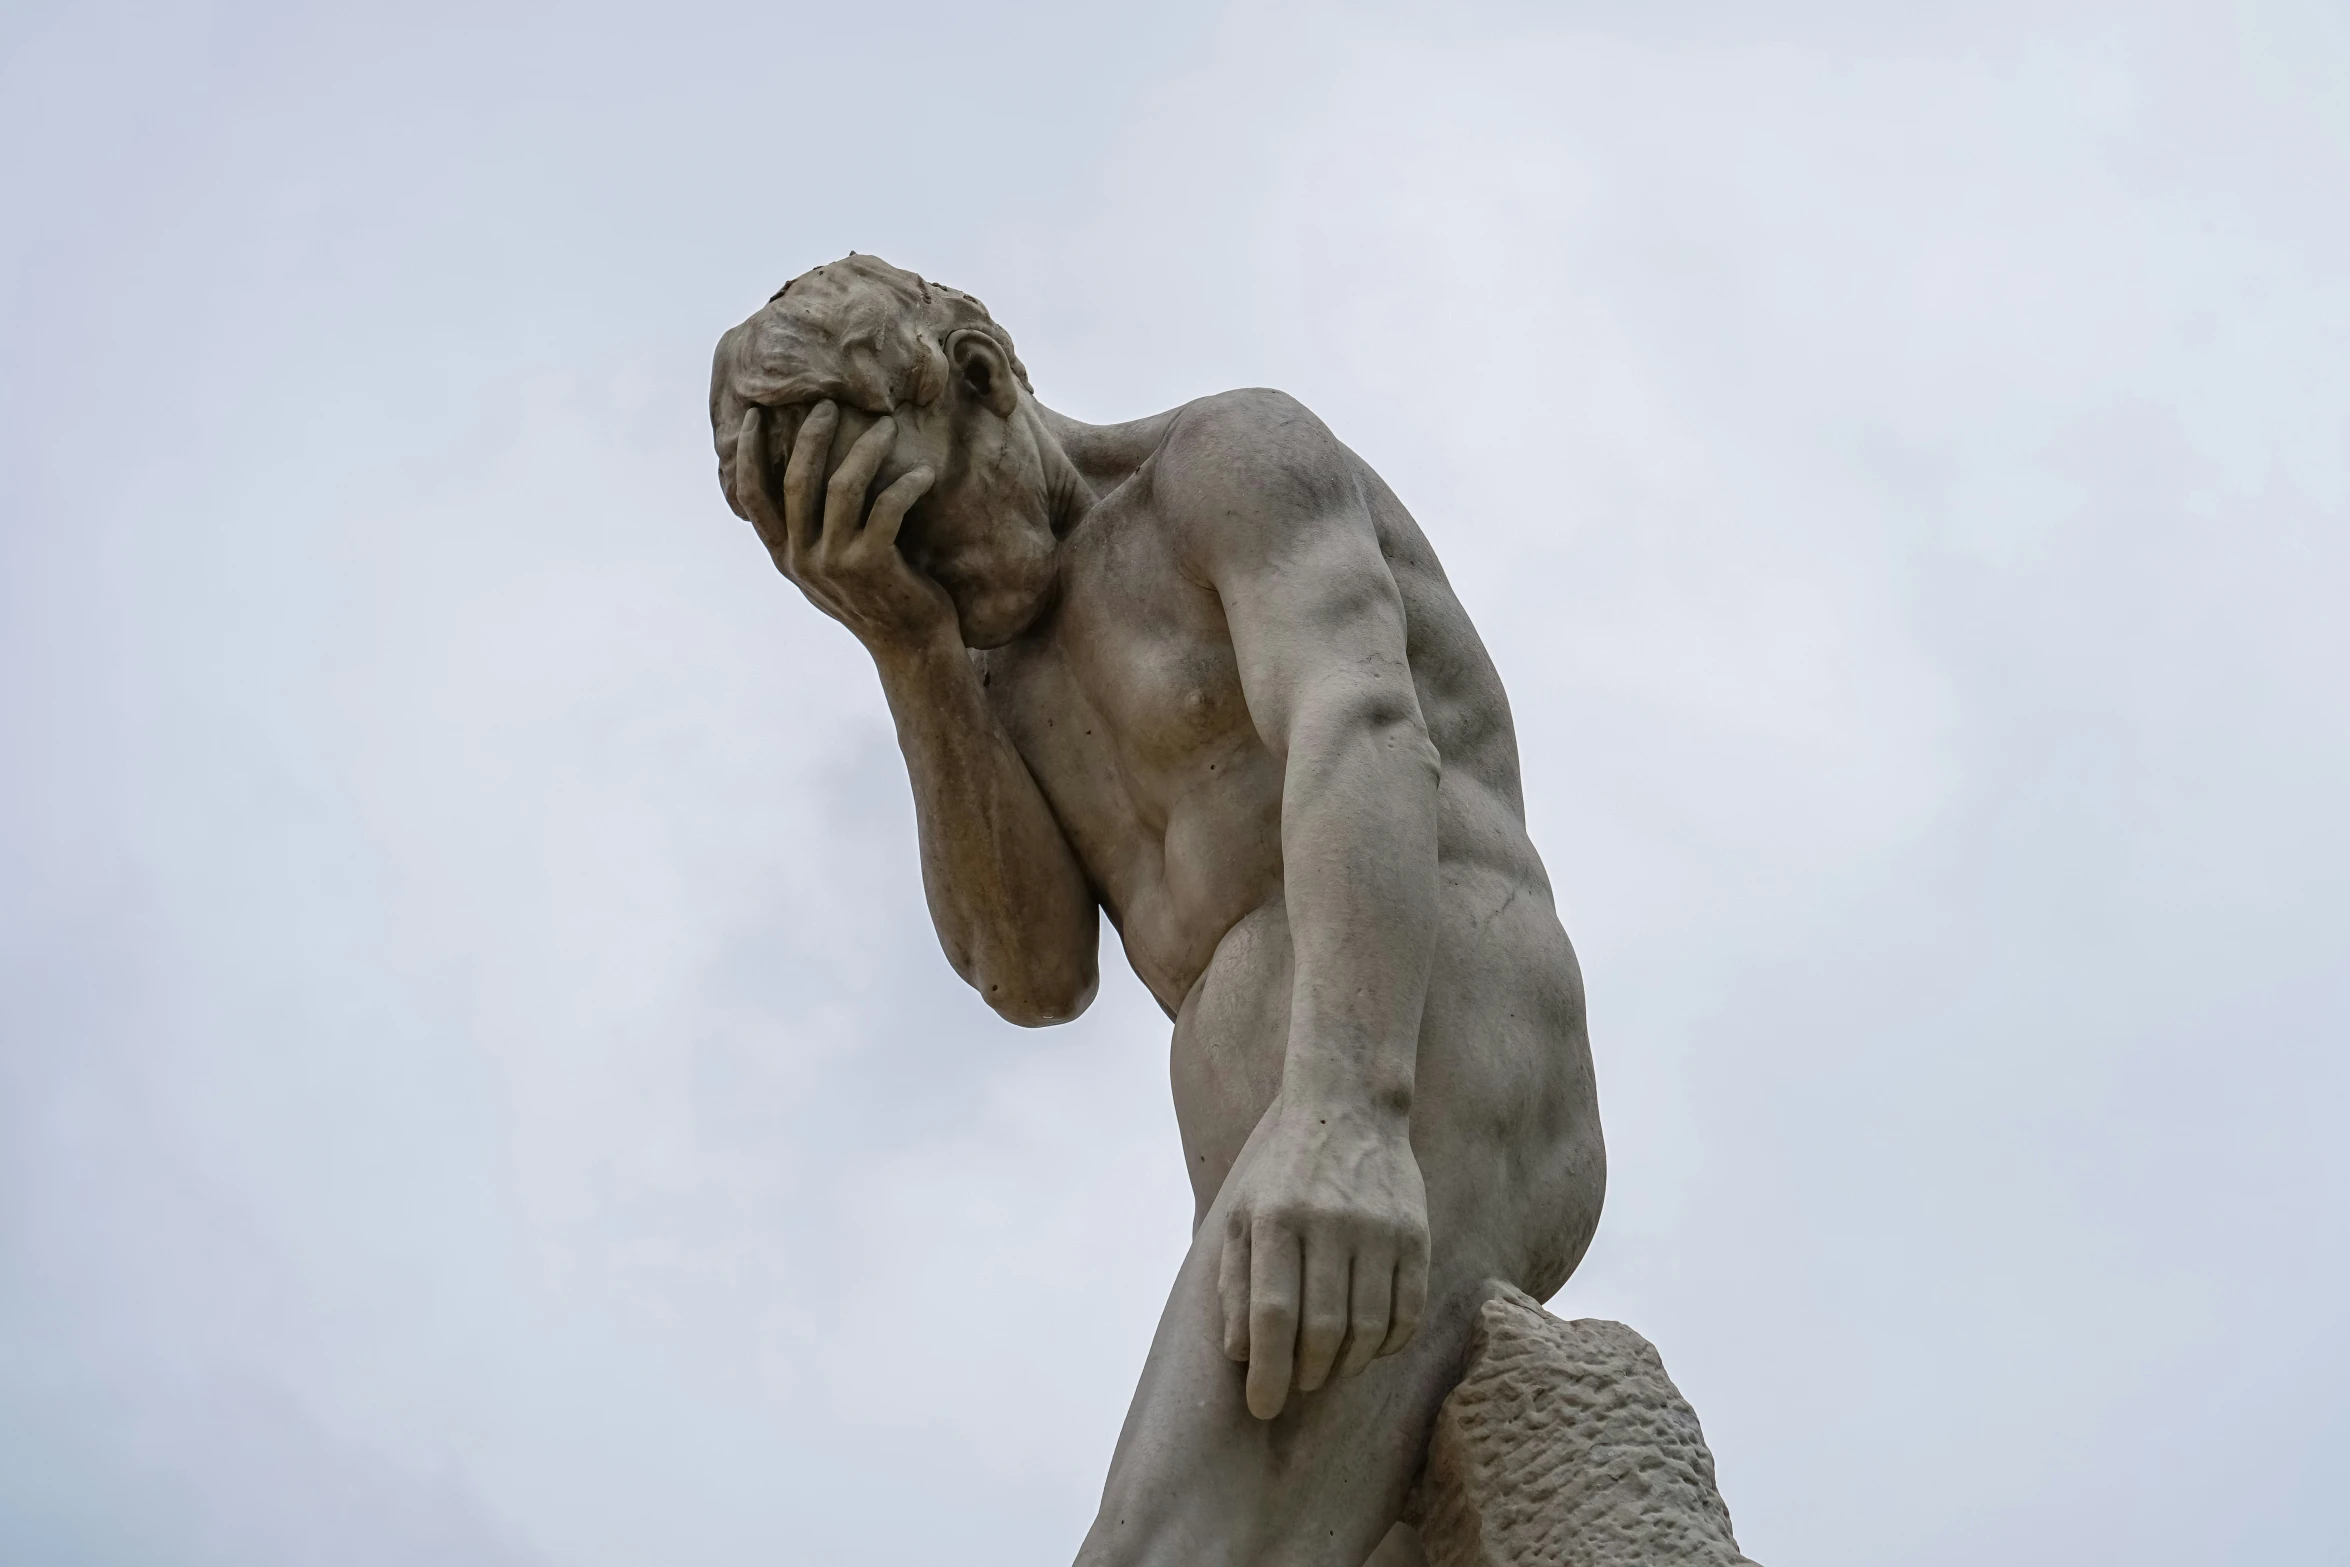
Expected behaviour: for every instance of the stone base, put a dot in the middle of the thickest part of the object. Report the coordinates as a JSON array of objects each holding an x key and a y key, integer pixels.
[{"x": 1566, "y": 1445}]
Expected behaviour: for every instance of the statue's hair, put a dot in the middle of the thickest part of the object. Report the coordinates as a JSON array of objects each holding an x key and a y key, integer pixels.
[{"x": 858, "y": 331}]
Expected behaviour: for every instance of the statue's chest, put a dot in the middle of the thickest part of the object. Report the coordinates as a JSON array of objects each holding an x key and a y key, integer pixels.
[
  {"x": 1150, "y": 650},
  {"x": 1130, "y": 700}
]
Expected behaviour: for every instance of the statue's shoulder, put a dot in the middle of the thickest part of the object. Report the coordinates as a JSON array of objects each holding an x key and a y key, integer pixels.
[
  {"x": 1254, "y": 457},
  {"x": 1249, "y": 423}
]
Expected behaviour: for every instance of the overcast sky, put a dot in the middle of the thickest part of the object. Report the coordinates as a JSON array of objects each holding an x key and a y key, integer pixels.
[{"x": 477, "y": 1084}]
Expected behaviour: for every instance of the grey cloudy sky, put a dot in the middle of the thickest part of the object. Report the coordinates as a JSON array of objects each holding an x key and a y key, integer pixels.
[{"x": 472, "y": 1057}]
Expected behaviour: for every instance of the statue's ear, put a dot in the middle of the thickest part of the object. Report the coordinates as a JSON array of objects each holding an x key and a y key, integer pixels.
[{"x": 982, "y": 371}]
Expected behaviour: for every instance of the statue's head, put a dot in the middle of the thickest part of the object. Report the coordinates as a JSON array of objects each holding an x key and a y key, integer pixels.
[{"x": 878, "y": 341}]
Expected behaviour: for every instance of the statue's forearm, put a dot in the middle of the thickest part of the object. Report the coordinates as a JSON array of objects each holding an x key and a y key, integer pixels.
[
  {"x": 1359, "y": 849},
  {"x": 1012, "y": 907}
]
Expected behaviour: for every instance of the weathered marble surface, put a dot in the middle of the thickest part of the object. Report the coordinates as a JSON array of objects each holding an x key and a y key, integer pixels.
[
  {"x": 1202, "y": 672},
  {"x": 1566, "y": 1445}
]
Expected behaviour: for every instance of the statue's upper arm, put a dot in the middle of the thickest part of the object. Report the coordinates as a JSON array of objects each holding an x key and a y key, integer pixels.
[
  {"x": 1034, "y": 697},
  {"x": 1271, "y": 513}
]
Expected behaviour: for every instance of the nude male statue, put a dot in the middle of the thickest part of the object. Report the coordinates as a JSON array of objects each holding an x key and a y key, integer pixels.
[{"x": 1203, "y": 672}]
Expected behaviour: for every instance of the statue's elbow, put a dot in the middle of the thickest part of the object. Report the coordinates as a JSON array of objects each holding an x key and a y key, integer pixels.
[{"x": 1041, "y": 1000}]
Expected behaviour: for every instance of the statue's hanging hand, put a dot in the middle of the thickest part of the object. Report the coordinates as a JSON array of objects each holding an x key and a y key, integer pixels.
[{"x": 1325, "y": 1263}]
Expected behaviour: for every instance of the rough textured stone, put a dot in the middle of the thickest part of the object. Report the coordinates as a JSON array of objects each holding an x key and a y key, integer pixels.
[{"x": 1566, "y": 1445}]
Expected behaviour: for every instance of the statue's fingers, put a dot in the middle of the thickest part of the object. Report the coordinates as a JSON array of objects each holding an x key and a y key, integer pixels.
[
  {"x": 1232, "y": 1286},
  {"x": 1370, "y": 1308},
  {"x": 1273, "y": 1268},
  {"x": 1321, "y": 1328},
  {"x": 803, "y": 477},
  {"x": 1411, "y": 1294},
  {"x": 892, "y": 504},
  {"x": 844, "y": 496},
  {"x": 751, "y": 497},
  {"x": 726, "y": 487},
  {"x": 783, "y": 428}
]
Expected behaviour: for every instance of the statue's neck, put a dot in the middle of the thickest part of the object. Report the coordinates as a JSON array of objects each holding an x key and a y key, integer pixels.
[{"x": 1103, "y": 456}]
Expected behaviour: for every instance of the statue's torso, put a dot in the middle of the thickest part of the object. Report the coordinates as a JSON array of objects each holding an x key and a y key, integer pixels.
[{"x": 1128, "y": 708}]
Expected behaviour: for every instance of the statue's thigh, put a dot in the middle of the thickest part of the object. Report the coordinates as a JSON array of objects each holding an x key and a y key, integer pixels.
[{"x": 1197, "y": 1479}]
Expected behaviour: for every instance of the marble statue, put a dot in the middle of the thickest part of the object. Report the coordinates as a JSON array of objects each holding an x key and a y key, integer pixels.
[{"x": 1202, "y": 672}]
